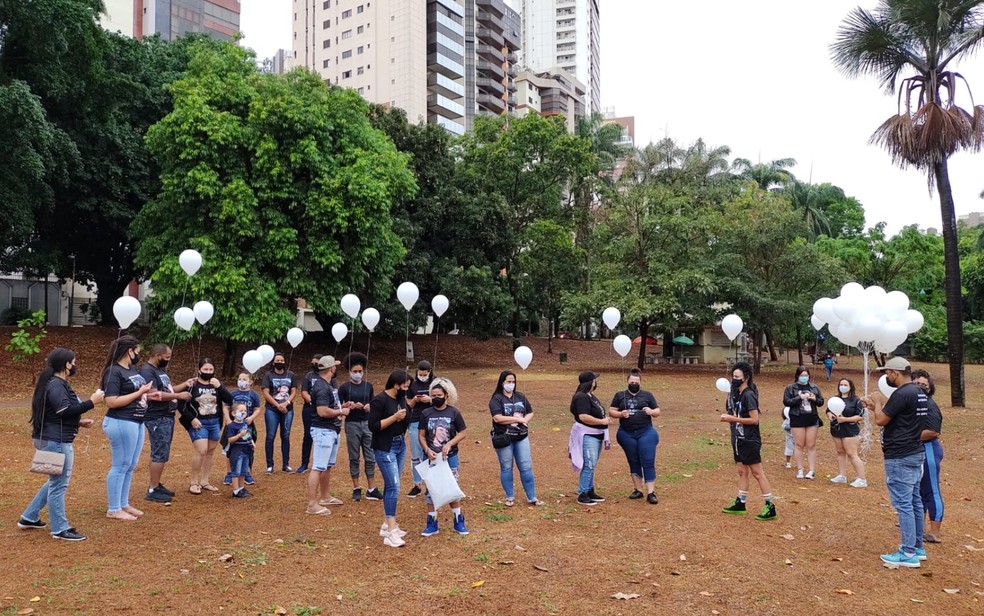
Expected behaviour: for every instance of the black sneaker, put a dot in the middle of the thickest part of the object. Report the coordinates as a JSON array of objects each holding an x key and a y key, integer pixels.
[
  {"x": 241, "y": 494},
  {"x": 69, "y": 534},
  {"x": 652, "y": 499},
  {"x": 163, "y": 490},
  {"x": 414, "y": 492},
  {"x": 374, "y": 494},
  {"x": 22, "y": 523},
  {"x": 157, "y": 496},
  {"x": 768, "y": 513},
  {"x": 595, "y": 496},
  {"x": 250, "y": 481},
  {"x": 584, "y": 498},
  {"x": 636, "y": 495},
  {"x": 736, "y": 507},
  {"x": 357, "y": 494}
]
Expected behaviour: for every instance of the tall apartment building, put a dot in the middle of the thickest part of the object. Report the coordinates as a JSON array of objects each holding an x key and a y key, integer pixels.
[
  {"x": 551, "y": 93},
  {"x": 567, "y": 34},
  {"x": 492, "y": 39},
  {"x": 402, "y": 53},
  {"x": 172, "y": 18}
]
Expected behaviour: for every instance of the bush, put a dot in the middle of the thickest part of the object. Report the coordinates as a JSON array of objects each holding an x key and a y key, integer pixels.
[
  {"x": 11, "y": 316},
  {"x": 23, "y": 343}
]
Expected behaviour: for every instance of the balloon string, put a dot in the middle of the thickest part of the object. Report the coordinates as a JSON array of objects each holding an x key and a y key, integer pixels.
[
  {"x": 407, "y": 345},
  {"x": 437, "y": 340},
  {"x": 198, "y": 352},
  {"x": 368, "y": 345},
  {"x": 352, "y": 339},
  {"x": 174, "y": 338}
]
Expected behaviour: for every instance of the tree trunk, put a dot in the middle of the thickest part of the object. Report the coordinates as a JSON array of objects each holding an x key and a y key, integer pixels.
[
  {"x": 954, "y": 301},
  {"x": 550, "y": 332},
  {"x": 643, "y": 334},
  {"x": 108, "y": 291},
  {"x": 756, "y": 352},
  {"x": 229, "y": 361},
  {"x": 799, "y": 344},
  {"x": 772, "y": 347}
]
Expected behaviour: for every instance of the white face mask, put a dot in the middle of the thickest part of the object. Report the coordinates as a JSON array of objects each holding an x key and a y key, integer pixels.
[
  {"x": 240, "y": 416},
  {"x": 423, "y": 379},
  {"x": 243, "y": 384},
  {"x": 356, "y": 377},
  {"x": 844, "y": 389},
  {"x": 508, "y": 387}
]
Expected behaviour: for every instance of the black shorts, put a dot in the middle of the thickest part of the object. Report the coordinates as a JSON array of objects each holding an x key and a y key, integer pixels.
[
  {"x": 746, "y": 452},
  {"x": 809, "y": 420}
]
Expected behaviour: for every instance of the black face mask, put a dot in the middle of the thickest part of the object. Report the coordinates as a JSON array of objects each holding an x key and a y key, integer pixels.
[
  {"x": 736, "y": 383},
  {"x": 162, "y": 363},
  {"x": 314, "y": 367},
  {"x": 135, "y": 359},
  {"x": 438, "y": 402},
  {"x": 72, "y": 370},
  {"x": 206, "y": 376},
  {"x": 634, "y": 388},
  {"x": 279, "y": 366}
]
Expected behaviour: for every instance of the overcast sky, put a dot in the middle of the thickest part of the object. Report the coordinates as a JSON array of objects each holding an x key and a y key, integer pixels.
[{"x": 755, "y": 76}]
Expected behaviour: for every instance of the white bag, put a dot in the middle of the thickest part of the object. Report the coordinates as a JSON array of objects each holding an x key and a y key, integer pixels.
[{"x": 441, "y": 484}]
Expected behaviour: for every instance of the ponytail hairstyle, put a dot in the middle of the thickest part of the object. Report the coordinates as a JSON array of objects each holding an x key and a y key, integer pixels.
[
  {"x": 746, "y": 369},
  {"x": 119, "y": 347},
  {"x": 54, "y": 363},
  {"x": 396, "y": 378}
]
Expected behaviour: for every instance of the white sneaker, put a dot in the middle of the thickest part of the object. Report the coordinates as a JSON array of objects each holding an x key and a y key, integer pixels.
[
  {"x": 393, "y": 540},
  {"x": 809, "y": 475},
  {"x": 859, "y": 483},
  {"x": 799, "y": 475},
  {"x": 839, "y": 479},
  {"x": 789, "y": 465},
  {"x": 384, "y": 531}
]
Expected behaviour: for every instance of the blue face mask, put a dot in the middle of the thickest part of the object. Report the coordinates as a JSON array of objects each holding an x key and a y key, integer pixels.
[
  {"x": 804, "y": 380},
  {"x": 844, "y": 389}
]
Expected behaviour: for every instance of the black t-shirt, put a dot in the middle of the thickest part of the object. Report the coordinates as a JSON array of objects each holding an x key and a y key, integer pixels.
[
  {"x": 122, "y": 381},
  {"x": 357, "y": 392},
  {"x": 852, "y": 408},
  {"x": 518, "y": 405},
  {"x": 625, "y": 401},
  {"x": 934, "y": 418},
  {"x": 418, "y": 387},
  {"x": 162, "y": 382},
  {"x": 279, "y": 386},
  {"x": 908, "y": 407},
  {"x": 323, "y": 394},
  {"x": 587, "y": 404},
  {"x": 381, "y": 407},
  {"x": 740, "y": 404},
  {"x": 62, "y": 411},
  {"x": 205, "y": 402},
  {"x": 440, "y": 426}
]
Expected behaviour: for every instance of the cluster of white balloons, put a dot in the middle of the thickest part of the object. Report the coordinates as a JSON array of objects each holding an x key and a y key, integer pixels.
[
  {"x": 859, "y": 315},
  {"x": 258, "y": 357}
]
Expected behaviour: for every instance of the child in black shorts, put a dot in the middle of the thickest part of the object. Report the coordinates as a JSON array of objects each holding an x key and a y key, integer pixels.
[{"x": 746, "y": 441}]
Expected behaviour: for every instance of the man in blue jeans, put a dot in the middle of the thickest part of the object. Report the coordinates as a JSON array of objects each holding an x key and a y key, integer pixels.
[{"x": 902, "y": 418}]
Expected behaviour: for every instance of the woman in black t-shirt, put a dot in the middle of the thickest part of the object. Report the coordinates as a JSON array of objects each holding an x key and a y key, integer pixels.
[
  {"x": 589, "y": 430},
  {"x": 845, "y": 430},
  {"x": 511, "y": 415},
  {"x": 388, "y": 420},
  {"x": 201, "y": 416},
  {"x": 804, "y": 399},
  {"x": 929, "y": 486},
  {"x": 56, "y": 416},
  {"x": 634, "y": 408}
]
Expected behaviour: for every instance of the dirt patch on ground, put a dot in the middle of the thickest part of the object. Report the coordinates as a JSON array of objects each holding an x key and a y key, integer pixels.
[{"x": 680, "y": 557}]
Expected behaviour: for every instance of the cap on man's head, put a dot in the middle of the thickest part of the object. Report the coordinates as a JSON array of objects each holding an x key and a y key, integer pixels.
[
  {"x": 326, "y": 362},
  {"x": 424, "y": 365},
  {"x": 900, "y": 364},
  {"x": 587, "y": 376}
]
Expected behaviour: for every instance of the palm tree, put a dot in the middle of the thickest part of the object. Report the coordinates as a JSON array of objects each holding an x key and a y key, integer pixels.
[
  {"x": 773, "y": 175},
  {"x": 922, "y": 38}
]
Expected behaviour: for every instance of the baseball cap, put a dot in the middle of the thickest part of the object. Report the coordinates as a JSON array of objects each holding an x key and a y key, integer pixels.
[
  {"x": 896, "y": 363},
  {"x": 424, "y": 365},
  {"x": 587, "y": 376},
  {"x": 327, "y": 361}
]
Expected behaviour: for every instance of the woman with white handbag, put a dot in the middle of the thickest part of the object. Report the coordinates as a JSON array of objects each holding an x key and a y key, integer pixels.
[{"x": 56, "y": 416}]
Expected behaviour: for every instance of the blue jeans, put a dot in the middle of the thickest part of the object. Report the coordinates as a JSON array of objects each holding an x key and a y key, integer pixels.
[
  {"x": 902, "y": 476},
  {"x": 273, "y": 420},
  {"x": 416, "y": 451},
  {"x": 590, "y": 450},
  {"x": 211, "y": 430},
  {"x": 52, "y": 492},
  {"x": 325, "y": 448},
  {"x": 640, "y": 450},
  {"x": 520, "y": 452},
  {"x": 126, "y": 439},
  {"x": 929, "y": 487},
  {"x": 390, "y": 464}
]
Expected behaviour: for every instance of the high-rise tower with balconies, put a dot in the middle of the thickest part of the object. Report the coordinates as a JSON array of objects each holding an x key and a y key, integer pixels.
[{"x": 492, "y": 39}]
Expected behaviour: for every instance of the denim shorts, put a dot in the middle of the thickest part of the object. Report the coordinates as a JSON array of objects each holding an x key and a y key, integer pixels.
[
  {"x": 239, "y": 461},
  {"x": 161, "y": 432},
  {"x": 324, "y": 448},
  {"x": 211, "y": 429}
]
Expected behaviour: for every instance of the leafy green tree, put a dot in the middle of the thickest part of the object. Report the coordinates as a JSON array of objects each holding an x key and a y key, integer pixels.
[
  {"x": 550, "y": 264},
  {"x": 922, "y": 38},
  {"x": 283, "y": 186},
  {"x": 773, "y": 175}
]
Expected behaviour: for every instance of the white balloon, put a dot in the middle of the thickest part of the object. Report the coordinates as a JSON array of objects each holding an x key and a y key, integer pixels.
[
  {"x": 350, "y": 305},
  {"x": 523, "y": 356},
  {"x": 851, "y": 289},
  {"x": 847, "y": 334},
  {"x": 732, "y": 326},
  {"x": 184, "y": 317},
  {"x": 370, "y": 318},
  {"x": 875, "y": 294},
  {"x": 723, "y": 385},
  {"x": 294, "y": 336},
  {"x": 884, "y": 387},
  {"x": 884, "y": 348},
  {"x": 844, "y": 308},
  {"x": 836, "y": 405},
  {"x": 611, "y": 316},
  {"x": 913, "y": 320},
  {"x": 622, "y": 344},
  {"x": 126, "y": 309},
  {"x": 407, "y": 293},
  {"x": 816, "y": 322},
  {"x": 339, "y": 331},
  {"x": 897, "y": 302},
  {"x": 867, "y": 327},
  {"x": 203, "y": 311},
  {"x": 824, "y": 309},
  {"x": 439, "y": 305},
  {"x": 190, "y": 261},
  {"x": 253, "y": 361},
  {"x": 893, "y": 334},
  {"x": 266, "y": 352}
]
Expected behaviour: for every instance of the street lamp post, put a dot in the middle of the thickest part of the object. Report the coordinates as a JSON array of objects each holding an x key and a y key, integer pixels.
[{"x": 71, "y": 300}]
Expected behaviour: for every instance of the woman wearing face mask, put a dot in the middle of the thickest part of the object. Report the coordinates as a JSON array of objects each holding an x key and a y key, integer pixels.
[
  {"x": 929, "y": 488},
  {"x": 511, "y": 416},
  {"x": 442, "y": 427},
  {"x": 126, "y": 396},
  {"x": 56, "y": 416},
  {"x": 279, "y": 390},
  {"x": 634, "y": 408},
  {"x": 589, "y": 430},
  {"x": 803, "y": 399},
  {"x": 417, "y": 400},
  {"x": 388, "y": 419},
  {"x": 846, "y": 430},
  {"x": 202, "y": 418},
  {"x": 308, "y": 413}
]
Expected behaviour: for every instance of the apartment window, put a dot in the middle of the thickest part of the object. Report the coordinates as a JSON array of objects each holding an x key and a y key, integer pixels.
[
  {"x": 359, "y": 9},
  {"x": 346, "y": 34},
  {"x": 295, "y": 16},
  {"x": 359, "y": 71},
  {"x": 347, "y": 75},
  {"x": 325, "y": 64},
  {"x": 346, "y": 14},
  {"x": 326, "y": 5},
  {"x": 362, "y": 90},
  {"x": 326, "y": 44},
  {"x": 360, "y": 30},
  {"x": 326, "y": 25},
  {"x": 360, "y": 49},
  {"x": 392, "y": 82},
  {"x": 346, "y": 54},
  {"x": 368, "y": 66}
]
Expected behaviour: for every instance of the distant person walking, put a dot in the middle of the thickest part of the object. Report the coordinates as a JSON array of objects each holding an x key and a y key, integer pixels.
[
  {"x": 845, "y": 429},
  {"x": 804, "y": 399},
  {"x": 929, "y": 486},
  {"x": 590, "y": 429},
  {"x": 635, "y": 409},
  {"x": 511, "y": 415},
  {"x": 828, "y": 365},
  {"x": 56, "y": 416}
]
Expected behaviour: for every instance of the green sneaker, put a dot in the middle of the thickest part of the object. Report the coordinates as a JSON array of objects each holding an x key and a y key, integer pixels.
[
  {"x": 768, "y": 513},
  {"x": 735, "y": 508}
]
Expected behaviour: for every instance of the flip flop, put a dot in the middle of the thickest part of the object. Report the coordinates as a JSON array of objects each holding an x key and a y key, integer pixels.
[
  {"x": 209, "y": 487},
  {"x": 510, "y": 502},
  {"x": 321, "y": 511},
  {"x": 195, "y": 488},
  {"x": 930, "y": 539},
  {"x": 330, "y": 501}
]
